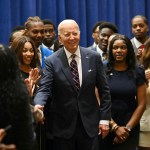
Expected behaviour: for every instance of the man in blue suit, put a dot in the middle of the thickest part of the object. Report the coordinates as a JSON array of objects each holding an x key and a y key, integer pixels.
[{"x": 74, "y": 115}]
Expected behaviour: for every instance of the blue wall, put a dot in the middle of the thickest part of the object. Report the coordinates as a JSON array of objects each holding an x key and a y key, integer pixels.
[{"x": 85, "y": 12}]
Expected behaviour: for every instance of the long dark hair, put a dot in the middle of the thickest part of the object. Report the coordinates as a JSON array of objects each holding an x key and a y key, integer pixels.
[
  {"x": 13, "y": 91},
  {"x": 8, "y": 64},
  {"x": 130, "y": 58},
  {"x": 17, "y": 47}
]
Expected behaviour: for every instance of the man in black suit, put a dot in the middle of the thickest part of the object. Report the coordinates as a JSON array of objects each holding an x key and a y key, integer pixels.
[
  {"x": 75, "y": 117},
  {"x": 95, "y": 32},
  {"x": 106, "y": 29}
]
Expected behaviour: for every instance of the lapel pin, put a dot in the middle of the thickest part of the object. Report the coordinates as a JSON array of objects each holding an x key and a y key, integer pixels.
[{"x": 90, "y": 70}]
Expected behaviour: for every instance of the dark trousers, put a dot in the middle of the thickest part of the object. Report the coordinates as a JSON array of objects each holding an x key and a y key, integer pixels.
[
  {"x": 79, "y": 141},
  {"x": 40, "y": 134}
]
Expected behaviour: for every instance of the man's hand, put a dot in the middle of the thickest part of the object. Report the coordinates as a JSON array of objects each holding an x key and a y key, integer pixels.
[
  {"x": 38, "y": 115},
  {"x": 39, "y": 107},
  {"x": 103, "y": 130}
]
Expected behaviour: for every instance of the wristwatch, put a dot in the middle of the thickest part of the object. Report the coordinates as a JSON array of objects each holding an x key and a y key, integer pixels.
[{"x": 129, "y": 128}]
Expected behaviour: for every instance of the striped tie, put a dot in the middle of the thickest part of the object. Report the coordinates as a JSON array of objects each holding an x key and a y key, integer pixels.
[{"x": 74, "y": 71}]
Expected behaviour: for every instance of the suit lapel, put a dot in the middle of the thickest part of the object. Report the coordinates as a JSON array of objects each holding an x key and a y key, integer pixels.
[
  {"x": 85, "y": 65},
  {"x": 65, "y": 67}
]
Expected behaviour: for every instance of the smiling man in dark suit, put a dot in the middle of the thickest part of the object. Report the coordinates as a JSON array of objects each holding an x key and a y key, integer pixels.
[{"x": 75, "y": 116}]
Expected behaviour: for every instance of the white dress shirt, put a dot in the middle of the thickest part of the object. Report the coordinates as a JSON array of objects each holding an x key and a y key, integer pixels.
[
  {"x": 78, "y": 60},
  {"x": 137, "y": 43}
]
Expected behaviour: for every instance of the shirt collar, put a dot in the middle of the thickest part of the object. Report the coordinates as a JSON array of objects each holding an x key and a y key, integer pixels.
[
  {"x": 99, "y": 50},
  {"x": 68, "y": 54},
  {"x": 94, "y": 44},
  {"x": 44, "y": 45},
  {"x": 137, "y": 43},
  {"x": 52, "y": 47}
]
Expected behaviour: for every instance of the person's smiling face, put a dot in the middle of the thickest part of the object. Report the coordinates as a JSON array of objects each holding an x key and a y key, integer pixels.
[
  {"x": 27, "y": 53},
  {"x": 119, "y": 51},
  {"x": 70, "y": 36}
]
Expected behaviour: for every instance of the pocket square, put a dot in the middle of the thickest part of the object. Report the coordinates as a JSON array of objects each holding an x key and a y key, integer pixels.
[{"x": 90, "y": 70}]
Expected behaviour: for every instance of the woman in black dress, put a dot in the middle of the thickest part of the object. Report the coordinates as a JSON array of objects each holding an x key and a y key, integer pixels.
[{"x": 128, "y": 95}]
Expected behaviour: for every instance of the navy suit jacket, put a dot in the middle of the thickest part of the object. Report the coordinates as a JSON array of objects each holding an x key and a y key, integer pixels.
[
  {"x": 94, "y": 49},
  {"x": 65, "y": 104}
]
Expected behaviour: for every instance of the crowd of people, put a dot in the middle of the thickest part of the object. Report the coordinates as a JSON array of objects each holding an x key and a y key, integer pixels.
[{"x": 58, "y": 95}]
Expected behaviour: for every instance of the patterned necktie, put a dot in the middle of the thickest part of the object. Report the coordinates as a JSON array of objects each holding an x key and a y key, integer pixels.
[
  {"x": 74, "y": 71},
  {"x": 104, "y": 56}
]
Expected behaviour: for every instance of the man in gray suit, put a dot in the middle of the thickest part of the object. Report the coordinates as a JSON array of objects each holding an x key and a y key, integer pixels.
[
  {"x": 75, "y": 117},
  {"x": 140, "y": 31}
]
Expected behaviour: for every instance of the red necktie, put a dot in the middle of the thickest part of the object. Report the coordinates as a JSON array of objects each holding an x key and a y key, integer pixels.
[
  {"x": 74, "y": 71},
  {"x": 142, "y": 47}
]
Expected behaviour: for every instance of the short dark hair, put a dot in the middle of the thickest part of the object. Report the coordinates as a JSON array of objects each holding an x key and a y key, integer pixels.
[
  {"x": 47, "y": 21},
  {"x": 96, "y": 25},
  {"x": 110, "y": 25},
  {"x": 140, "y": 16},
  {"x": 17, "y": 28}
]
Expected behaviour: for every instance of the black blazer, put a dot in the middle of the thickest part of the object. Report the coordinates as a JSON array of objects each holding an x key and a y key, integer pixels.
[{"x": 57, "y": 86}]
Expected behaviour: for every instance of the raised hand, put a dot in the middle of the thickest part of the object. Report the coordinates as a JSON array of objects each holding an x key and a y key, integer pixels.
[
  {"x": 34, "y": 75},
  {"x": 30, "y": 85}
]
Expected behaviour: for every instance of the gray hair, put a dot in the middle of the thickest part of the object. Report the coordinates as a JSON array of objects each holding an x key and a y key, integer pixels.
[{"x": 66, "y": 21}]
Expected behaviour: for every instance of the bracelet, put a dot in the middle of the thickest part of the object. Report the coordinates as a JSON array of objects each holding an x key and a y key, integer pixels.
[
  {"x": 111, "y": 123},
  {"x": 114, "y": 127}
]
